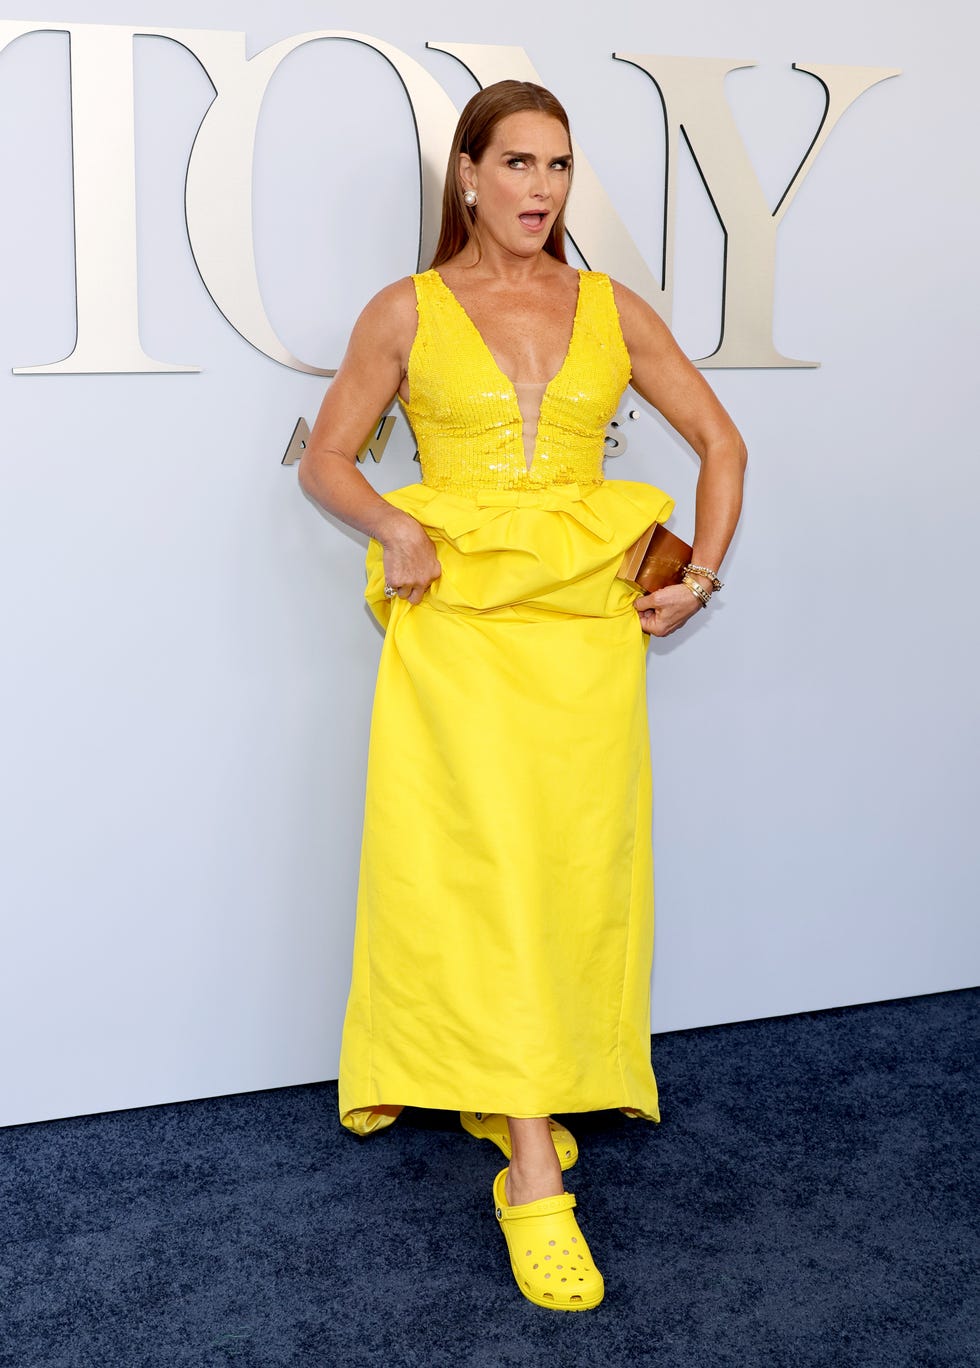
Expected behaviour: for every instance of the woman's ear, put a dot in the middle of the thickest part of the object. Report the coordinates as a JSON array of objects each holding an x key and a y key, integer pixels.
[{"x": 467, "y": 172}]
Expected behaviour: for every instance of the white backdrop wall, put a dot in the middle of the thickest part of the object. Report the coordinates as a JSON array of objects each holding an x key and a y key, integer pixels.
[{"x": 187, "y": 664}]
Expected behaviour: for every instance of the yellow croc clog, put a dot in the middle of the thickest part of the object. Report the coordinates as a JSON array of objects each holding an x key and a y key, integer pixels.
[
  {"x": 493, "y": 1126},
  {"x": 549, "y": 1257}
]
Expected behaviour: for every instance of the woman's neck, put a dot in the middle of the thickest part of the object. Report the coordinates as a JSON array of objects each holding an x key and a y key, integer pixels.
[{"x": 489, "y": 261}]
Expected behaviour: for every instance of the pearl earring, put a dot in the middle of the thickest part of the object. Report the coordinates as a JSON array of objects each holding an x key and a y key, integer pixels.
[{"x": 469, "y": 197}]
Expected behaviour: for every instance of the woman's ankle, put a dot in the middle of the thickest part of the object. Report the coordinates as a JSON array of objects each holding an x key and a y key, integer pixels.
[
  {"x": 534, "y": 1170},
  {"x": 530, "y": 1182}
]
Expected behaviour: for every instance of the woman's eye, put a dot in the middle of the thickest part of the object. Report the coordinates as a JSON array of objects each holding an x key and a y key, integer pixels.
[{"x": 519, "y": 162}]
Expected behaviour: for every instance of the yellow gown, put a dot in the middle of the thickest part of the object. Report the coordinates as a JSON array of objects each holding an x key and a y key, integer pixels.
[{"x": 504, "y": 926}]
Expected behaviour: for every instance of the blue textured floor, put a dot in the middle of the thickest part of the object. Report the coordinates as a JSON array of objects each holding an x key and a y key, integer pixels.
[{"x": 809, "y": 1199}]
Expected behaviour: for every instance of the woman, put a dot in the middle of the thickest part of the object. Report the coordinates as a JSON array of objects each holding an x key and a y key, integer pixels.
[{"x": 505, "y": 911}]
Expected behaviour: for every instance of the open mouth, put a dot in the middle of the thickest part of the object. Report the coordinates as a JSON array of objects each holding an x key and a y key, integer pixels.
[{"x": 534, "y": 221}]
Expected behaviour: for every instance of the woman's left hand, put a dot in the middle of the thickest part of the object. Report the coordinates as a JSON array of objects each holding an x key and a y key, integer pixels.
[{"x": 663, "y": 611}]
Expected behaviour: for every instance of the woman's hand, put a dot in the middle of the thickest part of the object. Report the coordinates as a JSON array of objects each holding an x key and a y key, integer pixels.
[
  {"x": 663, "y": 611},
  {"x": 409, "y": 557}
]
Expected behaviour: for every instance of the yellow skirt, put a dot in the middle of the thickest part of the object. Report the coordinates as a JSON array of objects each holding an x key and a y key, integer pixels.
[{"x": 504, "y": 927}]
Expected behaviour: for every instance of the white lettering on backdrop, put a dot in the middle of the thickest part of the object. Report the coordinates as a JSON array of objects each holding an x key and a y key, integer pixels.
[{"x": 219, "y": 185}]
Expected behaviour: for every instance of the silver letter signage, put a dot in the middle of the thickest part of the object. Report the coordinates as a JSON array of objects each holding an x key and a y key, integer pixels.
[
  {"x": 219, "y": 182},
  {"x": 693, "y": 95},
  {"x": 218, "y": 197},
  {"x": 219, "y": 175},
  {"x": 104, "y": 184}
]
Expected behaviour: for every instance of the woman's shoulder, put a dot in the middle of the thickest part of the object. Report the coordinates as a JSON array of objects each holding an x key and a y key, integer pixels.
[
  {"x": 390, "y": 316},
  {"x": 635, "y": 314},
  {"x": 393, "y": 300}
]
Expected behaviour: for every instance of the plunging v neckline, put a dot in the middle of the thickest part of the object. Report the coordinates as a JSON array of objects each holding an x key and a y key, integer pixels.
[{"x": 493, "y": 360}]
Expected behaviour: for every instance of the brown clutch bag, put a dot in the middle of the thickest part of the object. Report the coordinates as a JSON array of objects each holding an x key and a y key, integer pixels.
[{"x": 656, "y": 559}]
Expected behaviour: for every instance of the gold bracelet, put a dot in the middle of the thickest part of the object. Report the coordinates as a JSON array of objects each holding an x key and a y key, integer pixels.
[
  {"x": 697, "y": 590},
  {"x": 716, "y": 583}
]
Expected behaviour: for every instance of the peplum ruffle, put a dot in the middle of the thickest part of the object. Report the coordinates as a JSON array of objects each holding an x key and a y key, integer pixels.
[{"x": 523, "y": 555}]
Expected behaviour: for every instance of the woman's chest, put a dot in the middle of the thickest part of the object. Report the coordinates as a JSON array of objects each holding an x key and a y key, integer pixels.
[{"x": 528, "y": 336}]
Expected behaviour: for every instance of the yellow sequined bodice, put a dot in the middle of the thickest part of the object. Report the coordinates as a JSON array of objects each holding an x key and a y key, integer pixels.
[{"x": 465, "y": 412}]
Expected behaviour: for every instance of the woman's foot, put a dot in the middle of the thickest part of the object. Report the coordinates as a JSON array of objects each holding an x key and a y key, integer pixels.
[
  {"x": 549, "y": 1256},
  {"x": 534, "y": 1169}
]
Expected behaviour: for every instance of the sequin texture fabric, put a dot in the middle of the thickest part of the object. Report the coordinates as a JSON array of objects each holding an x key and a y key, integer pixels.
[{"x": 464, "y": 410}]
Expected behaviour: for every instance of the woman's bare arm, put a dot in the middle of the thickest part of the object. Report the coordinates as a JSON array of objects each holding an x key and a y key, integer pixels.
[
  {"x": 369, "y": 376},
  {"x": 664, "y": 376}
]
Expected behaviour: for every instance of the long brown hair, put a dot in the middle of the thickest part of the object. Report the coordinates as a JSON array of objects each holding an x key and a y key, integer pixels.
[{"x": 473, "y": 133}]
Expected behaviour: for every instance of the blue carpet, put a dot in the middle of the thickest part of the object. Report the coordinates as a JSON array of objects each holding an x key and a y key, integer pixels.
[{"x": 809, "y": 1200}]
